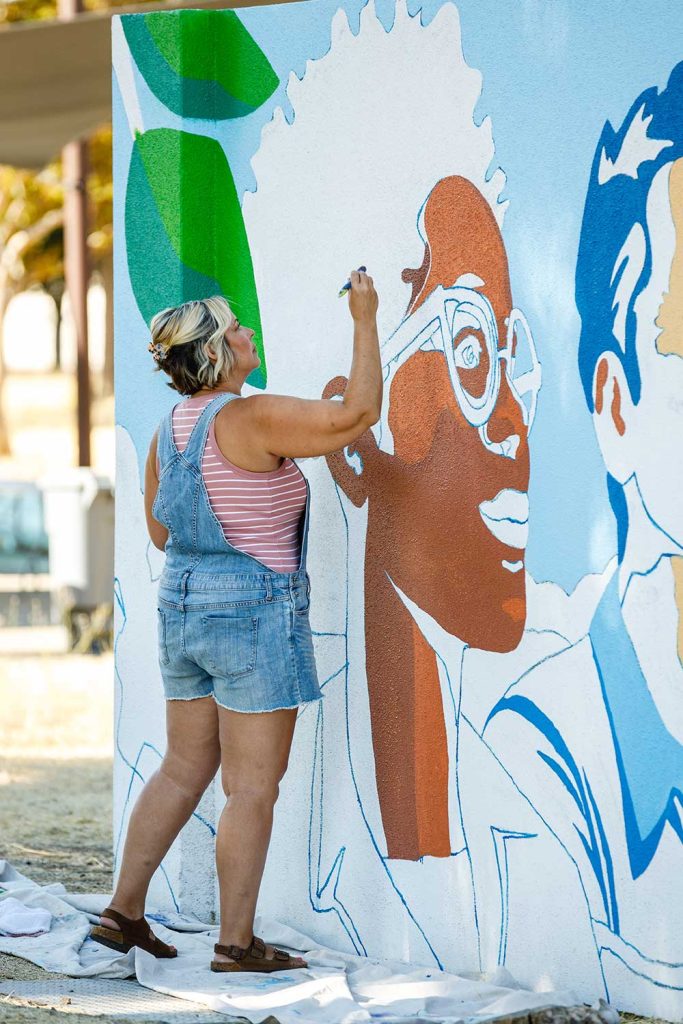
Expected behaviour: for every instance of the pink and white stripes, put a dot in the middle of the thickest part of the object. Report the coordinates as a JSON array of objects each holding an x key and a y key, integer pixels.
[{"x": 260, "y": 513}]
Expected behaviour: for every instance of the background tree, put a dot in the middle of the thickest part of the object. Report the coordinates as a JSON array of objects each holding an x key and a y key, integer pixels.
[
  {"x": 31, "y": 216},
  {"x": 32, "y": 238},
  {"x": 31, "y": 10}
]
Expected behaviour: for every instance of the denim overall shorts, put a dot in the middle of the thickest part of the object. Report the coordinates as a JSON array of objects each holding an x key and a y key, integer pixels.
[{"x": 228, "y": 626}]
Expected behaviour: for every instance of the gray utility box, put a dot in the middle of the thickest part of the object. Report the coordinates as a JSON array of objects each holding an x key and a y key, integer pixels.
[{"x": 79, "y": 521}]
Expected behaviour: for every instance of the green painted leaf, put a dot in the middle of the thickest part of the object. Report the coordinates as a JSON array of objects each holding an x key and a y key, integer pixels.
[
  {"x": 183, "y": 183},
  {"x": 159, "y": 279},
  {"x": 200, "y": 64}
]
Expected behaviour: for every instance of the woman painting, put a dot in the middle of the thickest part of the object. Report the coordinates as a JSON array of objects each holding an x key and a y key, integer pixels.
[{"x": 230, "y": 508}]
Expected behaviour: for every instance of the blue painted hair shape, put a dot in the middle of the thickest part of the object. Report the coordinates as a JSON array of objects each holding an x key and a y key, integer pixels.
[{"x": 625, "y": 164}]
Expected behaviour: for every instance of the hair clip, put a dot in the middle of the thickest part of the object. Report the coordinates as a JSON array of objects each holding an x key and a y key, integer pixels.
[{"x": 157, "y": 350}]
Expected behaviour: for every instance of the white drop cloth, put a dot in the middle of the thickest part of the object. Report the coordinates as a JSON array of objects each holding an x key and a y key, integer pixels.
[
  {"x": 17, "y": 919},
  {"x": 336, "y": 988}
]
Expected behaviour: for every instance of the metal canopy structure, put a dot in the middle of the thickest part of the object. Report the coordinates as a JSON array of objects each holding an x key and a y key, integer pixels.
[
  {"x": 55, "y": 79},
  {"x": 55, "y": 90}
]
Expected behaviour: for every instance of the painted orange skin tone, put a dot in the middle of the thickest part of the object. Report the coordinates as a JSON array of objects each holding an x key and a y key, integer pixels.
[{"x": 425, "y": 531}]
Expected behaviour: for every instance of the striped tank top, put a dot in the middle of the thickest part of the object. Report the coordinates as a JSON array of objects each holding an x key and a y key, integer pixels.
[{"x": 260, "y": 513}]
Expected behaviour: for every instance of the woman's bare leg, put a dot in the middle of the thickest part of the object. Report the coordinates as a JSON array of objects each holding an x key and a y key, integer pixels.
[
  {"x": 168, "y": 799},
  {"x": 254, "y": 754}
]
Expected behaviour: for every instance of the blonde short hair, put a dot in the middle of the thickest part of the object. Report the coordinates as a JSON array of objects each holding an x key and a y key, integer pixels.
[{"x": 180, "y": 335}]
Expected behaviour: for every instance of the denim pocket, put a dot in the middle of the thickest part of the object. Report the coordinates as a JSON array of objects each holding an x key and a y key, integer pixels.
[
  {"x": 230, "y": 643},
  {"x": 161, "y": 637}
]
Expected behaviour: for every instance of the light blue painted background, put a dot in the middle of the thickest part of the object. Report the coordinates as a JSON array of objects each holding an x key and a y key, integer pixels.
[{"x": 553, "y": 72}]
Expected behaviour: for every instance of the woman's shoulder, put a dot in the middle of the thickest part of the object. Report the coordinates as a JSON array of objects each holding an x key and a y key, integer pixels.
[
  {"x": 234, "y": 409},
  {"x": 234, "y": 436}
]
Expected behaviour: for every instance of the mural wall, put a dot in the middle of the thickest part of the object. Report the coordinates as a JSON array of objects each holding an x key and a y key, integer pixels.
[{"x": 495, "y": 774}]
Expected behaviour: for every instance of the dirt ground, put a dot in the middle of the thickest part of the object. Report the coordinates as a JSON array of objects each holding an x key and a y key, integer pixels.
[
  {"x": 55, "y": 824},
  {"x": 55, "y": 820},
  {"x": 55, "y": 773}
]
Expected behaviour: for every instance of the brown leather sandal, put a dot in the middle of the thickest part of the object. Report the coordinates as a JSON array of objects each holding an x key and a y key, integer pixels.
[
  {"x": 134, "y": 932},
  {"x": 253, "y": 958}
]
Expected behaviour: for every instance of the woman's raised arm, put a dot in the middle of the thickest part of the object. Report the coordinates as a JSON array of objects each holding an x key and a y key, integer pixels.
[{"x": 301, "y": 428}]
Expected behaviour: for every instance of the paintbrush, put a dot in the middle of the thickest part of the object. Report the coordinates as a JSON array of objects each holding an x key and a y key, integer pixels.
[{"x": 347, "y": 286}]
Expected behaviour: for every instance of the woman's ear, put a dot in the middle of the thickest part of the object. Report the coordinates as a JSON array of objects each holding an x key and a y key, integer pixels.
[
  {"x": 612, "y": 411},
  {"x": 347, "y": 466}
]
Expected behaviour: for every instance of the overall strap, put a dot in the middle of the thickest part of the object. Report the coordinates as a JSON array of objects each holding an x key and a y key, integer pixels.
[
  {"x": 165, "y": 448},
  {"x": 195, "y": 445}
]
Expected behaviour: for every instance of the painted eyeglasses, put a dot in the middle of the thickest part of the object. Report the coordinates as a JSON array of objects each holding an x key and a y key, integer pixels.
[{"x": 460, "y": 322}]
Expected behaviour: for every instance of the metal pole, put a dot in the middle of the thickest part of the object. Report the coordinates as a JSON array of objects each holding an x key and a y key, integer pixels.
[{"x": 76, "y": 271}]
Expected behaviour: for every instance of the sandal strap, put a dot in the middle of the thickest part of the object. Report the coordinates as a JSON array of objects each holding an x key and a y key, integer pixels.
[
  {"x": 131, "y": 925},
  {"x": 136, "y": 930},
  {"x": 258, "y": 950},
  {"x": 234, "y": 952},
  {"x": 115, "y": 915}
]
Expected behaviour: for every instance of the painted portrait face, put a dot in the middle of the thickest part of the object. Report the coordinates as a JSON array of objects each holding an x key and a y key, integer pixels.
[
  {"x": 447, "y": 478},
  {"x": 655, "y": 424}
]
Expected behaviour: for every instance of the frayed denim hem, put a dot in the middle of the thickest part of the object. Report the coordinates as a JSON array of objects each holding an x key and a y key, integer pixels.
[
  {"x": 265, "y": 711},
  {"x": 200, "y": 696}
]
